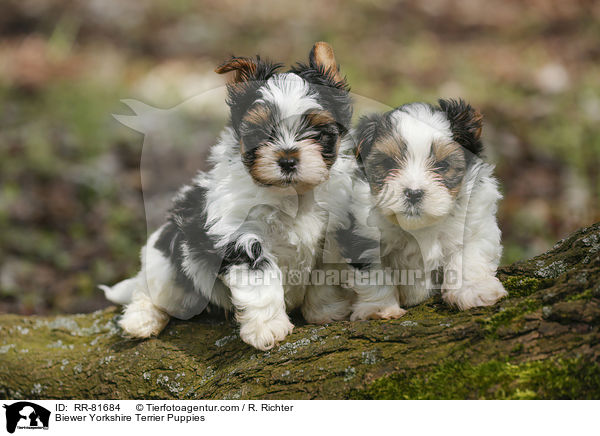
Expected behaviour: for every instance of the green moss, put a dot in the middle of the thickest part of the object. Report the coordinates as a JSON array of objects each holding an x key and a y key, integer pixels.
[
  {"x": 588, "y": 294},
  {"x": 517, "y": 349},
  {"x": 520, "y": 286},
  {"x": 506, "y": 315},
  {"x": 547, "y": 379}
]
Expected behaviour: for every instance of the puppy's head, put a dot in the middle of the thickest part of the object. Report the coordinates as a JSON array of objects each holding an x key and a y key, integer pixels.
[
  {"x": 415, "y": 158},
  {"x": 288, "y": 124}
]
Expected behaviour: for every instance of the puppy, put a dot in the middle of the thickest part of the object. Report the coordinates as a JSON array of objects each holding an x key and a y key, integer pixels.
[
  {"x": 424, "y": 203},
  {"x": 262, "y": 210}
]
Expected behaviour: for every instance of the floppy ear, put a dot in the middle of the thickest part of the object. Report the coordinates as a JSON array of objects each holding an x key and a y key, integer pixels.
[
  {"x": 245, "y": 68},
  {"x": 242, "y": 89},
  {"x": 321, "y": 58},
  {"x": 466, "y": 124},
  {"x": 366, "y": 132}
]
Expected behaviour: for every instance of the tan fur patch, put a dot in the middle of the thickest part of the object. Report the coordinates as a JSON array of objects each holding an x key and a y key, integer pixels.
[
  {"x": 319, "y": 118},
  {"x": 244, "y": 68},
  {"x": 311, "y": 168},
  {"x": 259, "y": 115},
  {"x": 390, "y": 146},
  {"x": 478, "y": 119},
  {"x": 323, "y": 55},
  {"x": 387, "y": 154},
  {"x": 443, "y": 149},
  {"x": 287, "y": 154},
  {"x": 265, "y": 168},
  {"x": 453, "y": 155}
]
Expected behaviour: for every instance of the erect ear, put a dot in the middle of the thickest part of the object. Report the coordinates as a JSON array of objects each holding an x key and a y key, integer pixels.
[
  {"x": 245, "y": 68},
  {"x": 466, "y": 123},
  {"x": 321, "y": 57},
  {"x": 366, "y": 132}
]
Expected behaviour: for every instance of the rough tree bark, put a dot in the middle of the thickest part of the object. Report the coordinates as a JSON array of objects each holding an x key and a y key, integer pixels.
[{"x": 542, "y": 341}]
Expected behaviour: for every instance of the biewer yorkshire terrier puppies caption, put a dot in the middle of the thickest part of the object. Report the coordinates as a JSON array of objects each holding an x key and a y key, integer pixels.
[
  {"x": 424, "y": 203},
  {"x": 262, "y": 208}
]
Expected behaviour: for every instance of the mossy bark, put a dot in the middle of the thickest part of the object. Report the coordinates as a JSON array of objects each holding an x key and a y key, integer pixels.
[{"x": 542, "y": 341}]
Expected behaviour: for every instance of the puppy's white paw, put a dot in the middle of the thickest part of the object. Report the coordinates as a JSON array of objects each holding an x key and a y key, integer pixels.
[
  {"x": 485, "y": 292},
  {"x": 265, "y": 334},
  {"x": 372, "y": 311},
  {"x": 142, "y": 319}
]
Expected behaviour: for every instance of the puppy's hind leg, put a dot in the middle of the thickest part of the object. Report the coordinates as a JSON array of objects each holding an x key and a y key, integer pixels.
[
  {"x": 323, "y": 304},
  {"x": 141, "y": 318},
  {"x": 376, "y": 300}
]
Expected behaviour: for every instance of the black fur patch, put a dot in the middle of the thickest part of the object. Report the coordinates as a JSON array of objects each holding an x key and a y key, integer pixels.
[
  {"x": 376, "y": 164},
  {"x": 234, "y": 255},
  {"x": 367, "y": 132},
  {"x": 243, "y": 91},
  {"x": 353, "y": 246},
  {"x": 328, "y": 135},
  {"x": 333, "y": 95},
  {"x": 449, "y": 162},
  {"x": 257, "y": 131},
  {"x": 187, "y": 225},
  {"x": 466, "y": 124}
]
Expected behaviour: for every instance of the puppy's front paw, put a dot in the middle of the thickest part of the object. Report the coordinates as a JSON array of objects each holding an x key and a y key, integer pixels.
[
  {"x": 474, "y": 293},
  {"x": 371, "y": 311},
  {"x": 265, "y": 334}
]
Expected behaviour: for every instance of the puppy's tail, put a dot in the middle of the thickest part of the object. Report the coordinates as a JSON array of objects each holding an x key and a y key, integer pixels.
[{"x": 122, "y": 292}]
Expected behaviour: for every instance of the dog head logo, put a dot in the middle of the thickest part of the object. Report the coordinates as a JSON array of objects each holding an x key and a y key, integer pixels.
[{"x": 26, "y": 415}]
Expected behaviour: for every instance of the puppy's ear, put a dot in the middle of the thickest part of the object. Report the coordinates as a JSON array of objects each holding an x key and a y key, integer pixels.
[
  {"x": 366, "y": 132},
  {"x": 245, "y": 68},
  {"x": 321, "y": 58},
  {"x": 466, "y": 124},
  {"x": 242, "y": 89}
]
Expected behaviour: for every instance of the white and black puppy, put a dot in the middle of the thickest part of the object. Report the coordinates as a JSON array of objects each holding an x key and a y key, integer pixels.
[
  {"x": 425, "y": 202},
  {"x": 261, "y": 210}
]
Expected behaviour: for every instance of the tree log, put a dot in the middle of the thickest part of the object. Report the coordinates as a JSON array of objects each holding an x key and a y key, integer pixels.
[{"x": 542, "y": 341}]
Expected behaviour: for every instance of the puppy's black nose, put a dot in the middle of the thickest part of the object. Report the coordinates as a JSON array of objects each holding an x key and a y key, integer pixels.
[
  {"x": 413, "y": 196},
  {"x": 288, "y": 164}
]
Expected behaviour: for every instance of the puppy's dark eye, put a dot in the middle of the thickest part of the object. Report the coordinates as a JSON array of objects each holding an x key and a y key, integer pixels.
[
  {"x": 254, "y": 140},
  {"x": 389, "y": 164},
  {"x": 326, "y": 136},
  {"x": 442, "y": 166}
]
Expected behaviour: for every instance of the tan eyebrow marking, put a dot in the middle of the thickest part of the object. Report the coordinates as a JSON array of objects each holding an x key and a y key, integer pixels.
[{"x": 259, "y": 114}]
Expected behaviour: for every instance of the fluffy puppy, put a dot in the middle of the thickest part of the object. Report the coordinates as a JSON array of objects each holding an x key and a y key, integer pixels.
[
  {"x": 260, "y": 212},
  {"x": 424, "y": 206}
]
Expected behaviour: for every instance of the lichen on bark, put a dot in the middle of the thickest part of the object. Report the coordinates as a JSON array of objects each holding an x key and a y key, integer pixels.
[{"x": 542, "y": 341}]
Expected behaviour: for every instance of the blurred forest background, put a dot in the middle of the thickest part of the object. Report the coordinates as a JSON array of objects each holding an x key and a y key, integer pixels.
[{"x": 71, "y": 205}]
